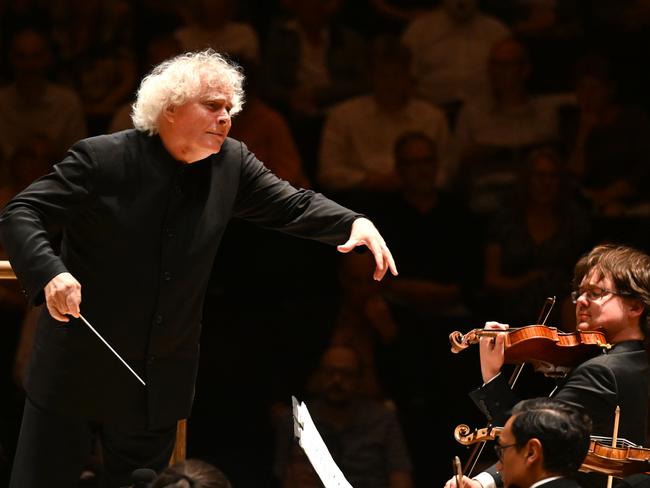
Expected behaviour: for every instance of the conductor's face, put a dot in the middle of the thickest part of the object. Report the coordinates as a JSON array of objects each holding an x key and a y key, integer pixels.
[{"x": 199, "y": 126}]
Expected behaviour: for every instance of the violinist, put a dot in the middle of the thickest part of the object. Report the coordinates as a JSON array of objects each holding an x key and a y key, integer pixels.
[
  {"x": 612, "y": 295},
  {"x": 543, "y": 442}
]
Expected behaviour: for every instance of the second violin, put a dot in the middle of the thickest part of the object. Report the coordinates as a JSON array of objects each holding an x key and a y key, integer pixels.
[{"x": 619, "y": 461}]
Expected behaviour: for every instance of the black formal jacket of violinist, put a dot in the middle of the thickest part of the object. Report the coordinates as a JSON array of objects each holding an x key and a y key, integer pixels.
[
  {"x": 561, "y": 483},
  {"x": 619, "y": 377},
  {"x": 140, "y": 231}
]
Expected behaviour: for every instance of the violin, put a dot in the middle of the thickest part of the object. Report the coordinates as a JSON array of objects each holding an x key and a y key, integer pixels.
[
  {"x": 619, "y": 461},
  {"x": 549, "y": 350}
]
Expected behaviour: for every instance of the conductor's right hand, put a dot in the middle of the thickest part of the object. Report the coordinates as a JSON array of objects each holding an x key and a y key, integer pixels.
[
  {"x": 63, "y": 297},
  {"x": 465, "y": 483}
]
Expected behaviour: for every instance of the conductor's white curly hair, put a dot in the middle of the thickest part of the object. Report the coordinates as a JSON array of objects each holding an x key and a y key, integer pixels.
[{"x": 181, "y": 78}]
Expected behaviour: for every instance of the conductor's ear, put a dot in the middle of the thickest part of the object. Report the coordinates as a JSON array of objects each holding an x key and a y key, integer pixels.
[{"x": 169, "y": 113}]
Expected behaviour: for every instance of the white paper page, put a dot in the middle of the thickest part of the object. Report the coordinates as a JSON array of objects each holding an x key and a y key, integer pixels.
[{"x": 315, "y": 449}]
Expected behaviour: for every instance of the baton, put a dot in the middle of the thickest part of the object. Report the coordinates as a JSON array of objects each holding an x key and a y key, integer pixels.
[{"x": 112, "y": 350}]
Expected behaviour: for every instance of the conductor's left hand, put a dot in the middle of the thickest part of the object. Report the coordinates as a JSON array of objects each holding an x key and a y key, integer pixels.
[{"x": 365, "y": 233}]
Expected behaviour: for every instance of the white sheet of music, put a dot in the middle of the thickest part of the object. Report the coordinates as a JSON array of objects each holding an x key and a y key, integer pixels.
[{"x": 315, "y": 449}]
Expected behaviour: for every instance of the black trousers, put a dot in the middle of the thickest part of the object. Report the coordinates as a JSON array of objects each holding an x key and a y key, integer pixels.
[{"x": 53, "y": 448}]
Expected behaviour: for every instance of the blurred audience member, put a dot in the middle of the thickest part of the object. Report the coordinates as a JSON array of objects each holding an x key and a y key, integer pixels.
[
  {"x": 450, "y": 45},
  {"x": 554, "y": 34},
  {"x": 210, "y": 23},
  {"x": 95, "y": 41},
  {"x": 356, "y": 150},
  {"x": 373, "y": 17},
  {"x": 32, "y": 104},
  {"x": 531, "y": 245},
  {"x": 430, "y": 230},
  {"x": 364, "y": 321},
  {"x": 363, "y": 436},
  {"x": 493, "y": 132},
  {"x": 437, "y": 244},
  {"x": 158, "y": 50},
  {"x": 32, "y": 158},
  {"x": 275, "y": 144},
  {"x": 311, "y": 63},
  {"x": 608, "y": 143}
]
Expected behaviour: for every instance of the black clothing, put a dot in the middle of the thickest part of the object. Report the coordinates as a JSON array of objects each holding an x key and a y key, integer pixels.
[
  {"x": 63, "y": 444},
  {"x": 140, "y": 233},
  {"x": 600, "y": 384}
]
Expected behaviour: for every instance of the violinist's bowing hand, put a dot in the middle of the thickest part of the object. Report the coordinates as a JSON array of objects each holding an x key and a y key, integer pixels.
[
  {"x": 492, "y": 350},
  {"x": 465, "y": 483}
]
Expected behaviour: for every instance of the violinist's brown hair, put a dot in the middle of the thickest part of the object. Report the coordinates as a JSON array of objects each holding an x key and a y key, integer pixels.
[{"x": 627, "y": 267}]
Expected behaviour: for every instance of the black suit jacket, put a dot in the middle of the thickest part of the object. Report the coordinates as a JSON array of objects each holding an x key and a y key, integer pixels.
[
  {"x": 140, "y": 231},
  {"x": 618, "y": 377}
]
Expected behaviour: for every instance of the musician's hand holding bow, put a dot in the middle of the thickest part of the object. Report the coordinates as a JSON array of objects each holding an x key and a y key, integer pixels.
[
  {"x": 492, "y": 351},
  {"x": 465, "y": 483},
  {"x": 63, "y": 297}
]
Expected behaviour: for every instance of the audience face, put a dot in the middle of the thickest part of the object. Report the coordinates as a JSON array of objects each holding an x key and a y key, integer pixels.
[
  {"x": 461, "y": 11},
  {"x": 355, "y": 277},
  {"x": 211, "y": 14},
  {"x": 543, "y": 181},
  {"x": 30, "y": 55},
  {"x": 313, "y": 14},
  {"x": 339, "y": 374},
  {"x": 593, "y": 93},
  {"x": 417, "y": 166},
  {"x": 508, "y": 67},
  {"x": 392, "y": 84}
]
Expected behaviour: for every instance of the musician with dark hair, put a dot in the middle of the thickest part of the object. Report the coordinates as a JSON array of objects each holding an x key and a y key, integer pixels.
[
  {"x": 612, "y": 295},
  {"x": 543, "y": 442}
]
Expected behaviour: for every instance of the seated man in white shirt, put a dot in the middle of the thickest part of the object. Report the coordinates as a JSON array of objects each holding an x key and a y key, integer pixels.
[{"x": 357, "y": 142}]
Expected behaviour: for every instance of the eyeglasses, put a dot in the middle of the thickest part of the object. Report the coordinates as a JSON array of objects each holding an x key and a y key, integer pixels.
[
  {"x": 595, "y": 293},
  {"x": 498, "y": 449}
]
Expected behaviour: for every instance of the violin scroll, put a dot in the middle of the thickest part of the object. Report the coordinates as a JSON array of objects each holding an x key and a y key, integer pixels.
[
  {"x": 466, "y": 436},
  {"x": 460, "y": 342}
]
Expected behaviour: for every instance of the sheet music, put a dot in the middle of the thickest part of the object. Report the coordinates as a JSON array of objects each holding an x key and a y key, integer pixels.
[{"x": 312, "y": 443}]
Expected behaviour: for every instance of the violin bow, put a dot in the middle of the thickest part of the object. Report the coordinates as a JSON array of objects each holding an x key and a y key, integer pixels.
[
  {"x": 478, "y": 449},
  {"x": 617, "y": 415},
  {"x": 544, "y": 313},
  {"x": 458, "y": 471}
]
